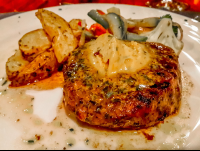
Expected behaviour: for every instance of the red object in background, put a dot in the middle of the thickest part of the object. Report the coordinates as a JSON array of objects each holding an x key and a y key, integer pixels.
[
  {"x": 175, "y": 5},
  {"x": 131, "y": 2},
  {"x": 194, "y": 4},
  {"x": 27, "y": 5}
]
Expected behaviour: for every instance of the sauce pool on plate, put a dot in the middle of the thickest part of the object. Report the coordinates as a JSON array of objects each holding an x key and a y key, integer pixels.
[{"x": 32, "y": 131}]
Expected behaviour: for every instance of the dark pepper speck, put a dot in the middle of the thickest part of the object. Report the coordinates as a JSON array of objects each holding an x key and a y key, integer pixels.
[
  {"x": 71, "y": 129},
  {"x": 70, "y": 144}
]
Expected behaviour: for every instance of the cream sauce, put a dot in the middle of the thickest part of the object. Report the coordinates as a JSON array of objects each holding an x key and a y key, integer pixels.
[{"x": 65, "y": 132}]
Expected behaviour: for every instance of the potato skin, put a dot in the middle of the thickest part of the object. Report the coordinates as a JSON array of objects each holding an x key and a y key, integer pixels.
[
  {"x": 124, "y": 101},
  {"x": 60, "y": 33},
  {"x": 43, "y": 66},
  {"x": 34, "y": 43},
  {"x": 15, "y": 64}
]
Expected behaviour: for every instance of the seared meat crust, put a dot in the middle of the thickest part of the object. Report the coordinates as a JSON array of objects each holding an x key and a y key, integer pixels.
[{"x": 138, "y": 100}]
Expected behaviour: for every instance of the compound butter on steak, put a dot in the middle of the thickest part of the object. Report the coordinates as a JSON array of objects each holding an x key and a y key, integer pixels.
[{"x": 122, "y": 84}]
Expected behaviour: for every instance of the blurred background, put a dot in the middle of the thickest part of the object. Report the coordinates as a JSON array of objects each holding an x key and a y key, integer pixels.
[{"x": 190, "y": 8}]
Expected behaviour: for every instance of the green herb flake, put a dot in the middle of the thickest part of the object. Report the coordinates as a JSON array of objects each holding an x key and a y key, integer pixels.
[
  {"x": 98, "y": 49},
  {"x": 147, "y": 78},
  {"x": 109, "y": 94},
  {"x": 84, "y": 67},
  {"x": 120, "y": 91},
  {"x": 116, "y": 100},
  {"x": 75, "y": 53},
  {"x": 70, "y": 144},
  {"x": 4, "y": 83},
  {"x": 166, "y": 16},
  {"x": 31, "y": 141},
  {"x": 107, "y": 83},
  {"x": 131, "y": 81},
  {"x": 175, "y": 30},
  {"x": 87, "y": 83},
  {"x": 80, "y": 60},
  {"x": 3, "y": 92},
  {"x": 138, "y": 88},
  {"x": 87, "y": 141},
  {"x": 105, "y": 90},
  {"x": 106, "y": 116}
]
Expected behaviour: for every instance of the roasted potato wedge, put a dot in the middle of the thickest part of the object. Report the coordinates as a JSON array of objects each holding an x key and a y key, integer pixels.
[
  {"x": 15, "y": 64},
  {"x": 33, "y": 43},
  {"x": 40, "y": 68},
  {"x": 60, "y": 33}
]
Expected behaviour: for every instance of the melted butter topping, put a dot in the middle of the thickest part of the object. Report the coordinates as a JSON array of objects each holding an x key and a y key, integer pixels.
[{"x": 110, "y": 55}]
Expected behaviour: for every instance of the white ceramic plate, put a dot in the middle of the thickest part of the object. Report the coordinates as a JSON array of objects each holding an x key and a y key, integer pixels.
[{"x": 20, "y": 122}]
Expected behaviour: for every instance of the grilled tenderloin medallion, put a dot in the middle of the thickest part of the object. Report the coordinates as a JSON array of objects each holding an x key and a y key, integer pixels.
[{"x": 137, "y": 100}]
